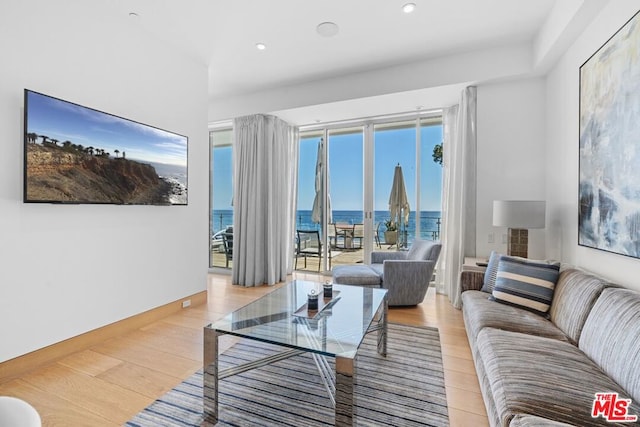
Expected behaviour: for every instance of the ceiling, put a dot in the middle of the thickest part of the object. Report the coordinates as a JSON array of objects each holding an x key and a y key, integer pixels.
[{"x": 373, "y": 34}]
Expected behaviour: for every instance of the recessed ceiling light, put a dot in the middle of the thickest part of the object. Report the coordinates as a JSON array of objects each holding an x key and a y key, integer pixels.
[
  {"x": 327, "y": 29},
  {"x": 134, "y": 15},
  {"x": 261, "y": 46},
  {"x": 409, "y": 7}
]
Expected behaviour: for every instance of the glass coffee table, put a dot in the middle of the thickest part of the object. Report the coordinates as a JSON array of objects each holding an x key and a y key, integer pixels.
[{"x": 281, "y": 317}]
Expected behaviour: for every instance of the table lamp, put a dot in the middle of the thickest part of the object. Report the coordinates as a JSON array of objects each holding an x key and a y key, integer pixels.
[{"x": 519, "y": 216}]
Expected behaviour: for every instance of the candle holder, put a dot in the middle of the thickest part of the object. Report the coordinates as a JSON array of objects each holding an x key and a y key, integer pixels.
[
  {"x": 312, "y": 301},
  {"x": 327, "y": 289}
]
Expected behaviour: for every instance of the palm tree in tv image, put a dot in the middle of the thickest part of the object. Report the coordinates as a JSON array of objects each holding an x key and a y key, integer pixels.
[{"x": 32, "y": 137}]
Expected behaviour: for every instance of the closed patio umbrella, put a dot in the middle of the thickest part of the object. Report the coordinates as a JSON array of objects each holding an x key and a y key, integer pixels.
[
  {"x": 316, "y": 213},
  {"x": 398, "y": 201}
]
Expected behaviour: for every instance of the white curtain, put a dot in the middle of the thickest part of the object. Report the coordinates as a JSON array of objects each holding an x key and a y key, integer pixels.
[
  {"x": 265, "y": 153},
  {"x": 458, "y": 192}
]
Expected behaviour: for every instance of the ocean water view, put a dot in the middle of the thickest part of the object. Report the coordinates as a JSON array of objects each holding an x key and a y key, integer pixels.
[
  {"x": 176, "y": 175},
  {"x": 430, "y": 221}
]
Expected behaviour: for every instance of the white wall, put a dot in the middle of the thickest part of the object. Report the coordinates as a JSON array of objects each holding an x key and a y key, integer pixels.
[
  {"x": 451, "y": 70},
  {"x": 65, "y": 270},
  {"x": 511, "y": 155},
  {"x": 562, "y": 152}
]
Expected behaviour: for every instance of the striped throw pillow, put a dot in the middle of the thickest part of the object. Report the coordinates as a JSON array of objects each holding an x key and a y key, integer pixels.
[
  {"x": 526, "y": 284},
  {"x": 489, "y": 281}
]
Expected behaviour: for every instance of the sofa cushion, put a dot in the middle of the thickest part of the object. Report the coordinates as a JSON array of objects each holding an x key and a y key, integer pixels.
[
  {"x": 480, "y": 312},
  {"x": 523, "y": 420},
  {"x": 379, "y": 257},
  {"x": 575, "y": 294},
  {"x": 543, "y": 377},
  {"x": 379, "y": 269},
  {"x": 355, "y": 275},
  {"x": 491, "y": 271},
  {"x": 611, "y": 337},
  {"x": 423, "y": 250},
  {"x": 525, "y": 283}
]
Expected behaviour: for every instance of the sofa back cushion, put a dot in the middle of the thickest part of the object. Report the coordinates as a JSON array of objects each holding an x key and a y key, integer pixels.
[
  {"x": 526, "y": 284},
  {"x": 424, "y": 250},
  {"x": 611, "y": 337},
  {"x": 491, "y": 272},
  {"x": 489, "y": 280},
  {"x": 575, "y": 294}
]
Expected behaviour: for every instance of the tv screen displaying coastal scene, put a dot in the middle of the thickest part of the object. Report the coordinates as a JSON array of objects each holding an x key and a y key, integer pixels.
[{"x": 75, "y": 154}]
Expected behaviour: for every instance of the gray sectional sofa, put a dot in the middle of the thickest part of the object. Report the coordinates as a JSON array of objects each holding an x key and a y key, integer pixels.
[{"x": 545, "y": 371}]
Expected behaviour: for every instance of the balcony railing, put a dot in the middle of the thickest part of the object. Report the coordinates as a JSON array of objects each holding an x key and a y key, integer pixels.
[{"x": 430, "y": 229}]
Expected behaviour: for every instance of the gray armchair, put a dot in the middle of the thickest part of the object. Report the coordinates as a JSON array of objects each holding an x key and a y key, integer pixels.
[{"x": 406, "y": 274}]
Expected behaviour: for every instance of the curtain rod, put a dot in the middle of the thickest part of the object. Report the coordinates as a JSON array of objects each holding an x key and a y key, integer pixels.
[
  {"x": 226, "y": 124},
  {"x": 368, "y": 119}
]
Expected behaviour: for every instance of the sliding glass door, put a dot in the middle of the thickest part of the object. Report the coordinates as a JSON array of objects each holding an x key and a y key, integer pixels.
[
  {"x": 401, "y": 143},
  {"x": 395, "y": 145},
  {"x": 361, "y": 163},
  {"x": 354, "y": 195},
  {"x": 430, "y": 195},
  {"x": 221, "y": 198},
  {"x": 339, "y": 213},
  {"x": 346, "y": 190}
]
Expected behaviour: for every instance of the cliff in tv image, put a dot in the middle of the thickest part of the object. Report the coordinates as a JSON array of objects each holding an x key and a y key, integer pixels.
[{"x": 71, "y": 173}]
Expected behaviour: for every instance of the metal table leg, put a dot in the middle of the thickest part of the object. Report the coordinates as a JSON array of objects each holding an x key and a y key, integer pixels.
[
  {"x": 345, "y": 372},
  {"x": 382, "y": 332},
  {"x": 210, "y": 377}
]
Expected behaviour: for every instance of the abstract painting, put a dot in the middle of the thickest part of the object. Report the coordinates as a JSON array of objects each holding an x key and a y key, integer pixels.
[{"x": 609, "y": 188}]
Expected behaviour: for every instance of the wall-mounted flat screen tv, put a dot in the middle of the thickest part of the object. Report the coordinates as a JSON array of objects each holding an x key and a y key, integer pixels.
[{"x": 75, "y": 154}]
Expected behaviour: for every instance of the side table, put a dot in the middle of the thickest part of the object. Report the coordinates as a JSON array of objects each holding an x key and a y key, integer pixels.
[
  {"x": 472, "y": 274},
  {"x": 474, "y": 264}
]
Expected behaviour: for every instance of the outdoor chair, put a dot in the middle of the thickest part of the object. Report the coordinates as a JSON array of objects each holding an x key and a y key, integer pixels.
[
  {"x": 227, "y": 241},
  {"x": 406, "y": 274},
  {"x": 377, "y": 235},
  {"x": 309, "y": 245},
  {"x": 358, "y": 234},
  {"x": 331, "y": 235}
]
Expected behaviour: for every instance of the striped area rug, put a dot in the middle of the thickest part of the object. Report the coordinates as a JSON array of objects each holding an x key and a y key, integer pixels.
[{"x": 404, "y": 389}]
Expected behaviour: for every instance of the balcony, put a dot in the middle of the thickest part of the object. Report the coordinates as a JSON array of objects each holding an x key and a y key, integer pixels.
[{"x": 348, "y": 256}]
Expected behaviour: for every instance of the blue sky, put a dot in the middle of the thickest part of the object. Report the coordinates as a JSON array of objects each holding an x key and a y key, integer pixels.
[
  {"x": 64, "y": 121},
  {"x": 346, "y": 170}
]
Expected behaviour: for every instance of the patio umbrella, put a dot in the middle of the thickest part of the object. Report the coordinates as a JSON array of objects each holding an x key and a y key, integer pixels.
[
  {"x": 316, "y": 213},
  {"x": 398, "y": 201}
]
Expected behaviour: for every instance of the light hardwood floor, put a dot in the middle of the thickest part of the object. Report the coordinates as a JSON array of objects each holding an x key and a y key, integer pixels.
[{"x": 109, "y": 383}]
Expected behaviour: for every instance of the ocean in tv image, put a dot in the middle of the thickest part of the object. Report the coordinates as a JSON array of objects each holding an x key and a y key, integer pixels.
[
  {"x": 430, "y": 221},
  {"x": 75, "y": 154}
]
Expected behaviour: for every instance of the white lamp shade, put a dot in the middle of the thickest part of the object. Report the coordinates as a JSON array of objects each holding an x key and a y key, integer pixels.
[{"x": 519, "y": 213}]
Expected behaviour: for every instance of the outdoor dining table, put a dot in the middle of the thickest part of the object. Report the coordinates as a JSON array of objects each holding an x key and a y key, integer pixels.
[{"x": 346, "y": 231}]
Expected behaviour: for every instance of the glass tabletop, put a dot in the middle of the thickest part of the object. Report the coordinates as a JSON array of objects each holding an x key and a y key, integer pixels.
[{"x": 280, "y": 317}]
